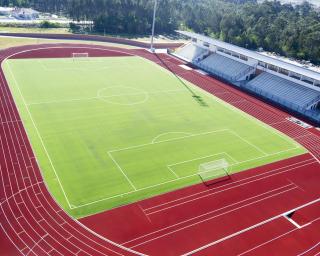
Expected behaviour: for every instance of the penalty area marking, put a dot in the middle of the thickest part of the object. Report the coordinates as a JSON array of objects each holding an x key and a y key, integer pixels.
[
  {"x": 195, "y": 87},
  {"x": 170, "y": 181},
  {"x": 167, "y": 133},
  {"x": 173, "y": 180},
  {"x": 199, "y": 158}
]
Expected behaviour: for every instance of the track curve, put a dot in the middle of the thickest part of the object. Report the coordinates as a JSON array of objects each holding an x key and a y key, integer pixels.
[{"x": 29, "y": 216}]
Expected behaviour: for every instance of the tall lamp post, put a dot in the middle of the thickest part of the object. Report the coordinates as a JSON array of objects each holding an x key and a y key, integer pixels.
[{"x": 153, "y": 25}]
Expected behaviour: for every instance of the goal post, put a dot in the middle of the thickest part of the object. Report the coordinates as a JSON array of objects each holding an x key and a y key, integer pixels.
[
  {"x": 214, "y": 171},
  {"x": 80, "y": 55}
]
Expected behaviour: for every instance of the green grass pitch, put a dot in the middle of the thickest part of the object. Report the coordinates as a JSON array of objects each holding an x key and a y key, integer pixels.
[{"x": 110, "y": 131}]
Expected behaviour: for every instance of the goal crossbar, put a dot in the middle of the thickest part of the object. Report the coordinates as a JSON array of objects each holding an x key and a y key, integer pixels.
[
  {"x": 214, "y": 171},
  {"x": 76, "y": 55}
]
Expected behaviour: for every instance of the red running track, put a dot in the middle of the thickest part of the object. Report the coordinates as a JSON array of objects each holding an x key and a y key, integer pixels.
[{"x": 32, "y": 223}]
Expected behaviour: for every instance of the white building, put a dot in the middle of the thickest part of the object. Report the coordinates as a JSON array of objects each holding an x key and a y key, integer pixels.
[
  {"x": 293, "y": 87},
  {"x": 25, "y": 14},
  {"x": 6, "y": 11}
]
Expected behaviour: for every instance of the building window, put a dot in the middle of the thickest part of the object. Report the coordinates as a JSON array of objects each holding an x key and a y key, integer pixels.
[
  {"x": 307, "y": 80},
  {"x": 295, "y": 75},
  {"x": 273, "y": 67},
  {"x": 205, "y": 44},
  {"x": 262, "y": 64},
  {"x": 284, "y": 71},
  {"x": 244, "y": 57}
]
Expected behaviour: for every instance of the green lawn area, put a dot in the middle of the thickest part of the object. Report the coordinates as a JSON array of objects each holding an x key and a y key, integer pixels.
[{"x": 110, "y": 131}]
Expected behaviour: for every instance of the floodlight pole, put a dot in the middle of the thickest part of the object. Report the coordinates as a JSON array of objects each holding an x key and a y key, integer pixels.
[{"x": 153, "y": 24}]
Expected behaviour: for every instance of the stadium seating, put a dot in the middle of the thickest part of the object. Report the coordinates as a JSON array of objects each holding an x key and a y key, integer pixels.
[
  {"x": 225, "y": 67},
  {"x": 283, "y": 91},
  {"x": 191, "y": 52}
]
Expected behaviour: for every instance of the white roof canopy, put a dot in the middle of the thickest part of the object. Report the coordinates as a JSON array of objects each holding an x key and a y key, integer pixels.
[{"x": 254, "y": 55}]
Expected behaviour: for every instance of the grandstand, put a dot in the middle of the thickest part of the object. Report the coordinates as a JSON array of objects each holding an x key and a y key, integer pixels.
[
  {"x": 295, "y": 88},
  {"x": 225, "y": 67},
  {"x": 284, "y": 91},
  {"x": 191, "y": 53}
]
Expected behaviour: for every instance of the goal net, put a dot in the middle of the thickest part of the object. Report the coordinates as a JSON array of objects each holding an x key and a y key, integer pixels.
[
  {"x": 80, "y": 55},
  {"x": 214, "y": 171}
]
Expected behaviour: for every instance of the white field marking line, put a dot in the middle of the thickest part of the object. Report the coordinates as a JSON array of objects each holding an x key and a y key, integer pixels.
[
  {"x": 150, "y": 62},
  {"x": 45, "y": 67},
  {"x": 11, "y": 136},
  {"x": 168, "y": 140},
  {"x": 79, "y": 223},
  {"x": 250, "y": 228},
  {"x": 233, "y": 108},
  {"x": 247, "y": 116},
  {"x": 310, "y": 249},
  {"x": 166, "y": 133},
  {"x": 199, "y": 158},
  {"x": 123, "y": 173},
  {"x": 15, "y": 172},
  {"x": 248, "y": 142},
  {"x": 216, "y": 216},
  {"x": 184, "y": 177},
  {"x": 38, "y": 133},
  {"x": 137, "y": 93},
  {"x": 292, "y": 222},
  {"x": 213, "y": 211},
  {"x": 173, "y": 172},
  {"x": 98, "y": 97},
  {"x": 251, "y": 179},
  {"x": 61, "y": 101}
]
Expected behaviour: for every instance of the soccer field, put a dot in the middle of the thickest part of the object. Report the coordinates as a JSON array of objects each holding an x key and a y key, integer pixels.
[{"x": 110, "y": 131}]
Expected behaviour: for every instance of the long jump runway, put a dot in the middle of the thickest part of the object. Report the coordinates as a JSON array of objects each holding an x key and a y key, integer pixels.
[{"x": 270, "y": 210}]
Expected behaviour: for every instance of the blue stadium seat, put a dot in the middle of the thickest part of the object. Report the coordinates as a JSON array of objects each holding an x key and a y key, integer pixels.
[
  {"x": 283, "y": 91},
  {"x": 224, "y": 67}
]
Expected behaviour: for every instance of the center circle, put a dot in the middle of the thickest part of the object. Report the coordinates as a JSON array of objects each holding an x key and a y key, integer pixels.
[{"x": 122, "y": 95}]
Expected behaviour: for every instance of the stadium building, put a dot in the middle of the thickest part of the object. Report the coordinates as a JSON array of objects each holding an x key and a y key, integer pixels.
[{"x": 295, "y": 88}]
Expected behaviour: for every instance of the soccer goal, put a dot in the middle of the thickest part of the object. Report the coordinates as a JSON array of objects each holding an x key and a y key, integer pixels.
[
  {"x": 214, "y": 171},
  {"x": 80, "y": 55}
]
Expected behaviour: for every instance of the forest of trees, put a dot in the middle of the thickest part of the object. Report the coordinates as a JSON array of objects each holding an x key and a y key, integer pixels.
[{"x": 282, "y": 28}]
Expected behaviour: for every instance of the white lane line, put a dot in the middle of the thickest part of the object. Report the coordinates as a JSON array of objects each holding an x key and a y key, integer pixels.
[
  {"x": 228, "y": 188},
  {"x": 250, "y": 228},
  {"x": 310, "y": 249},
  {"x": 207, "y": 219},
  {"x": 38, "y": 133}
]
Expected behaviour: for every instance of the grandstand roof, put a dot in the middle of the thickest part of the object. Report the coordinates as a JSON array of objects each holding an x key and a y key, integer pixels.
[{"x": 282, "y": 64}]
